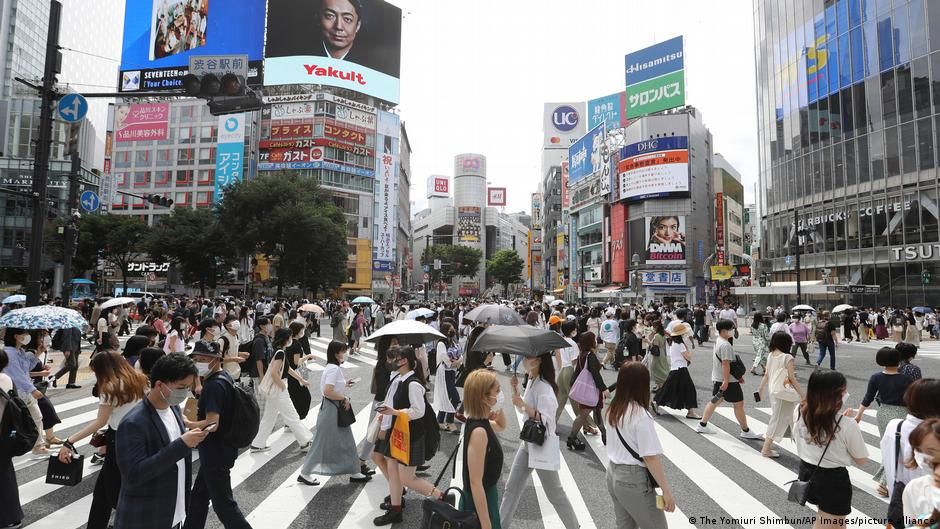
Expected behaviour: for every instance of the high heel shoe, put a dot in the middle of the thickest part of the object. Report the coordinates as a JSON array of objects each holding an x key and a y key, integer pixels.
[{"x": 575, "y": 444}]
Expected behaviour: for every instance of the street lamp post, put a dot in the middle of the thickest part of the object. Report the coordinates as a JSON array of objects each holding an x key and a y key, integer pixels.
[{"x": 637, "y": 276}]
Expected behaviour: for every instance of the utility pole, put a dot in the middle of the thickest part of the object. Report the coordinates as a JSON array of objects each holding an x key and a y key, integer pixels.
[
  {"x": 427, "y": 264},
  {"x": 43, "y": 152},
  {"x": 71, "y": 230},
  {"x": 796, "y": 232}
]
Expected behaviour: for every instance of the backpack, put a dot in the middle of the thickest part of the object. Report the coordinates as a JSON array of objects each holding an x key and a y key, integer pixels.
[
  {"x": 245, "y": 347},
  {"x": 334, "y": 321},
  {"x": 18, "y": 432},
  {"x": 245, "y": 414},
  {"x": 822, "y": 335}
]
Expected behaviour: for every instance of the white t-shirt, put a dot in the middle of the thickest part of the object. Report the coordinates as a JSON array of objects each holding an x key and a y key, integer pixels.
[
  {"x": 173, "y": 431},
  {"x": 780, "y": 327},
  {"x": 848, "y": 443},
  {"x": 728, "y": 314},
  {"x": 676, "y": 360},
  {"x": 117, "y": 412},
  {"x": 333, "y": 374},
  {"x": 610, "y": 331},
  {"x": 906, "y": 475},
  {"x": 917, "y": 497},
  {"x": 638, "y": 430},
  {"x": 569, "y": 354}
]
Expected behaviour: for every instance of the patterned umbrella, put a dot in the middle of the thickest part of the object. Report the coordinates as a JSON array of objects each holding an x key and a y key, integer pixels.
[{"x": 43, "y": 317}]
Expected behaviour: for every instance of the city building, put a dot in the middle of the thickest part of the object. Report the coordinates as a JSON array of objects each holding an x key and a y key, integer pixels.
[
  {"x": 472, "y": 217},
  {"x": 752, "y": 231},
  {"x": 848, "y": 146},
  {"x": 729, "y": 213}
]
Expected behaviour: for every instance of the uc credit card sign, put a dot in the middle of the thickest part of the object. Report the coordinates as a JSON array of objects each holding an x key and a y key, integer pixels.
[{"x": 655, "y": 78}]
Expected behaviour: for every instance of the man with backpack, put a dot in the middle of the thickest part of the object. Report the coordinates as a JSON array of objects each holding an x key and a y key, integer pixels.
[
  {"x": 260, "y": 353},
  {"x": 232, "y": 419},
  {"x": 727, "y": 378},
  {"x": 828, "y": 339}
]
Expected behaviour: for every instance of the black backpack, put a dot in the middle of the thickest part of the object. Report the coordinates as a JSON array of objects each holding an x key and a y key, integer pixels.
[
  {"x": 245, "y": 414},
  {"x": 18, "y": 432}
]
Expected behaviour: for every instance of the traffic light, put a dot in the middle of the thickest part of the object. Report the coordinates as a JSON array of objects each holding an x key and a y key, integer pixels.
[
  {"x": 762, "y": 280},
  {"x": 74, "y": 136},
  {"x": 225, "y": 95},
  {"x": 925, "y": 276},
  {"x": 157, "y": 200}
]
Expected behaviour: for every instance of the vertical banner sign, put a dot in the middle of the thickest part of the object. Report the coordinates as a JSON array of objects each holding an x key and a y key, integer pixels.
[
  {"x": 386, "y": 192},
  {"x": 655, "y": 78},
  {"x": 618, "y": 262},
  {"x": 230, "y": 153},
  {"x": 720, "y": 228},
  {"x": 561, "y": 257},
  {"x": 564, "y": 185}
]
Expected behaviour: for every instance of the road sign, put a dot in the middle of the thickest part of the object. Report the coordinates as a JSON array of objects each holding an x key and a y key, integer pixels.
[
  {"x": 437, "y": 264},
  {"x": 426, "y": 276},
  {"x": 787, "y": 260},
  {"x": 90, "y": 201},
  {"x": 72, "y": 108},
  {"x": 426, "y": 268},
  {"x": 219, "y": 65}
]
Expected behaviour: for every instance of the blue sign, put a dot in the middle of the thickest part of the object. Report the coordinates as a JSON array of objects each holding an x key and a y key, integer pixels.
[
  {"x": 426, "y": 268},
  {"x": 788, "y": 259},
  {"x": 610, "y": 110},
  {"x": 584, "y": 156},
  {"x": 230, "y": 153},
  {"x": 666, "y": 143},
  {"x": 565, "y": 118},
  {"x": 654, "y": 61},
  {"x": 90, "y": 201},
  {"x": 381, "y": 266},
  {"x": 72, "y": 108},
  {"x": 161, "y": 36}
]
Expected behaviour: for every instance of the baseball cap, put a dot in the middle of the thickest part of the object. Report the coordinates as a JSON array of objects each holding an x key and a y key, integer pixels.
[{"x": 554, "y": 319}]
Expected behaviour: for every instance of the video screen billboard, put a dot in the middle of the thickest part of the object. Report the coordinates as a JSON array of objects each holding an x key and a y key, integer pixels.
[
  {"x": 654, "y": 168},
  {"x": 584, "y": 157},
  {"x": 161, "y": 35},
  {"x": 468, "y": 224},
  {"x": 666, "y": 243},
  {"x": 655, "y": 78},
  {"x": 470, "y": 164},
  {"x": 352, "y": 44}
]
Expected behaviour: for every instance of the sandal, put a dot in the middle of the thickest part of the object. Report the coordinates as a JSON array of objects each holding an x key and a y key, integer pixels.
[
  {"x": 773, "y": 454},
  {"x": 590, "y": 431}
]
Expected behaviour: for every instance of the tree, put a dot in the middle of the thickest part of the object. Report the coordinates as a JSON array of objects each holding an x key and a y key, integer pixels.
[
  {"x": 506, "y": 268},
  {"x": 456, "y": 261},
  {"x": 115, "y": 238},
  {"x": 196, "y": 242},
  {"x": 293, "y": 222}
]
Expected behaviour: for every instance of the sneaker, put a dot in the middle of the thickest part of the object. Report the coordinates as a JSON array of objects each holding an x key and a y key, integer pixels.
[
  {"x": 387, "y": 503},
  {"x": 750, "y": 435},
  {"x": 306, "y": 447},
  {"x": 255, "y": 449},
  {"x": 422, "y": 468},
  {"x": 703, "y": 429},
  {"x": 97, "y": 459},
  {"x": 388, "y": 518},
  {"x": 305, "y": 481},
  {"x": 72, "y": 386},
  {"x": 14, "y": 525},
  {"x": 365, "y": 470}
]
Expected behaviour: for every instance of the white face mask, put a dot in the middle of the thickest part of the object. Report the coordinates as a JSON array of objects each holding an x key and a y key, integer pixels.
[
  {"x": 47, "y": 341},
  {"x": 935, "y": 497},
  {"x": 500, "y": 400},
  {"x": 923, "y": 461},
  {"x": 845, "y": 398},
  {"x": 203, "y": 368},
  {"x": 25, "y": 339},
  {"x": 235, "y": 326}
]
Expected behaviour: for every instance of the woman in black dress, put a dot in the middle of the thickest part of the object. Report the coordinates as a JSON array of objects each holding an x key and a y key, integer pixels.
[{"x": 297, "y": 355}]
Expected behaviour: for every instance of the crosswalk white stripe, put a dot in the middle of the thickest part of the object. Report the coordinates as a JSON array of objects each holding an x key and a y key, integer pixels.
[
  {"x": 73, "y": 404},
  {"x": 28, "y": 460},
  {"x": 283, "y": 505},
  {"x": 767, "y": 468},
  {"x": 859, "y": 478},
  {"x": 366, "y": 505},
  {"x": 673, "y": 519},
  {"x": 75, "y": 514}
]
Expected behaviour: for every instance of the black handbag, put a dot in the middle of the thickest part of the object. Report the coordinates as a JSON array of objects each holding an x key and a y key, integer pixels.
[
  {"x": 896, "y": 505},
  {"x": 68, "y": 474},
  {"x": 636, "y": 456},
  {"x": 799, "y": 489},
  {"x": 344, "y": 417},
  {"x": 533, "y": 431},
  {"x": 440, "y": 514}
]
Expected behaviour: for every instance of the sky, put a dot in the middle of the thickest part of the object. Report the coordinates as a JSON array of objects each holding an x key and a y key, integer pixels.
[{"x": 475, "y": 75}]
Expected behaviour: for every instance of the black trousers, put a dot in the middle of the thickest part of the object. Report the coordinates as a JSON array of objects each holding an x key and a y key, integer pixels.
[
  {"x": 70, "y": 366},
  {"x": 215, "y": 484},
  {"x": 107, "y": 488},
  {"x": 10, "y": 509}
]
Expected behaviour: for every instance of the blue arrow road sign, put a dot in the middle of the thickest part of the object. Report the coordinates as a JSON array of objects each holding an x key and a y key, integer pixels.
[
  {"x": 72, "y": 108},
  {"x": 90, "y": 201}
]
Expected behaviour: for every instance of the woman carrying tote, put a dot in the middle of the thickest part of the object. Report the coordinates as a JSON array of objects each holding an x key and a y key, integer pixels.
[
  {"x": 334, "y": 449},
  {"x": 785, "y": 391},
  {"x": 587, "y": 390},
  {"x": 822, "y": 426},
  {"x": 661, "y": 364},
  {"x": 276, "y": 397},
  {"x": 538, "y": 404},
  {"x": 446, "y": 398},
  {"x": 760, "y": 336}
]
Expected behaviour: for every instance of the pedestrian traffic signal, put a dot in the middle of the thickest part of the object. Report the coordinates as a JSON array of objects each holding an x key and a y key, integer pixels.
[
  {"x": 225, "y": 95},
  {"x": 925, "y": 276},
  {"x": 762, "y": 280},
  {"x": 158, "y": 200}
]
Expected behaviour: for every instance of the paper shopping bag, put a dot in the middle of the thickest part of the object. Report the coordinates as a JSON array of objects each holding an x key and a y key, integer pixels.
[{"x": 400, "y": 440}]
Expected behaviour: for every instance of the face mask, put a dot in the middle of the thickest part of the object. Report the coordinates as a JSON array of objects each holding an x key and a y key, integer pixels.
[
  {"x": 269, "y": 328},
  {"x": 923, "y": 461},
  {"x": 341, "y": 359},
  {"x": 177, "y": 396},
  {"x": 24, "y": 341},
  {"x": 392, "y": 365},
  {"x": 47, "y": 341},
  {"x": 845, "y": 398},
  {"x": 203, "y": 368},
  {"x": 500, "y": 400},
  {"x": 234, "y": 326}
]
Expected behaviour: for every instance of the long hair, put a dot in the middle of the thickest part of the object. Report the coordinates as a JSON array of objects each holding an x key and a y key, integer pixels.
[
  {"x": 758, "y": 320},
  {"x": 823, "y": 402},
  {"x": 547, "y": 370},
  {"x": 633, "y": 382},
  {"x": 408, "y": 353},
  {"x": 118, "y": 382}
]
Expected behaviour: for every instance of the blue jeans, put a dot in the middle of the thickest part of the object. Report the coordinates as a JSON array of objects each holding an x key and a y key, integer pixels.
[{"x": 831, "y": 347}]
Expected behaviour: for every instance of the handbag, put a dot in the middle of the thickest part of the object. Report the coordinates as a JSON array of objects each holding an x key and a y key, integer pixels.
[
  {"x": 345, "y": 417},
  {"x": 896, "y": 505},
  {"x": 68, "y": 474},
  {"x": 440, "y": 514},
  {"x": 372, "y": 433},
  {"x": 533, "y": 431},
  {"x": 779, "y": 388},
  {"x": 636, "y": 456},
  {"x": 800, "y": 489},
  {"x": 584, "y": 391},
  {"x": 98, "y": 439}
]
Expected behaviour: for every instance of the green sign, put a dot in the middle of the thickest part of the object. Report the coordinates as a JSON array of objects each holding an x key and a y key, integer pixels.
[{"x": 655, "y": 95}]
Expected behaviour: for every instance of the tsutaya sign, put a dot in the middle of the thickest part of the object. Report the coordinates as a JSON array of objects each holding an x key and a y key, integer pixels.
[{"x": 915, "y": 253}]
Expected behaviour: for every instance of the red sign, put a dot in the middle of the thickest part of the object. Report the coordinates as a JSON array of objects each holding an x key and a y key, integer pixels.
[
  {"x": 618, "y": 261},
  {"x": 107, "y": 166},
  {"x": 564, "y": 184},
  {"x": 720, "y": 228},
  {"x": 441, "y": 185},
  {"x": 343, "y": 133},
  {"x": 289, "y": 155},
  {"x": 291, "y": 131}
]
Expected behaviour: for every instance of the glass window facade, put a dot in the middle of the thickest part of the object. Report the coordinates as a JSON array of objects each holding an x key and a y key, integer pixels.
[{"x": 848, "y": 116}]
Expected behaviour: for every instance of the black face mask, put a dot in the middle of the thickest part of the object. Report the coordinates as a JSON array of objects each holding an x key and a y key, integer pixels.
[{"x": 392, "y": 365}]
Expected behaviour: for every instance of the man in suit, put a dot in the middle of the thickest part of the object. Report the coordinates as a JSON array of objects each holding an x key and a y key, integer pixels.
[{"x": 154, "y": 451}]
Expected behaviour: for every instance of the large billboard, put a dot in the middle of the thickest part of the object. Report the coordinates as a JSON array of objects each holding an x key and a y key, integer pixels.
[
  {"x": 666, "y": 242},
  {"x": 610, "y": 110},
  {"x": 655, "y": 78},
  {"x": 468, "y": 224},
  {"x": 618, "y": 232},
  {"x": 229, "y": 161},
  {"x": 584, "y": 157},
  {"x": 141, "y": 122},
  {"x": 351, "y": 44},
  {"x": 657, "y": 167},
  {"x": 438, "y": 186},
  {"x": 161, "y": 35},
  {"x": 386, "y": 192},
  {"x": 563, "y": 124}
]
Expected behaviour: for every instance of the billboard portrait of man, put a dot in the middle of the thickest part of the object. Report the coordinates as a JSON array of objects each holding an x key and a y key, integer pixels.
[
  {"x": 364, "y": 32},
  {"x": 666, "y": 243}
]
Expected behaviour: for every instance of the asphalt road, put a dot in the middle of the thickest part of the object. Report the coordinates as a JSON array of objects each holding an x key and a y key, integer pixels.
[{"x": 719, "y": 480}]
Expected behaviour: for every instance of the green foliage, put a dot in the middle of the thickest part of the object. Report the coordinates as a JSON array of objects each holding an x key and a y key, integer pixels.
[
  {"x": 505, "y": 267},
  {"x": 115, "y": 238},
  {"x": 293, "y": 222},
  {"x": 456, "y": 261}
]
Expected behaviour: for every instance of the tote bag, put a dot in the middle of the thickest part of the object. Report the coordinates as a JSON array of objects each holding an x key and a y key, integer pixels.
[
  {"x": 778, "y": 387},
  {"x": 583, "y": 391},
  {"x": 400, "y": 440}
]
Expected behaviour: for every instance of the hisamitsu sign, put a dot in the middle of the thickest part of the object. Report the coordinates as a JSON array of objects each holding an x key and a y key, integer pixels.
[{"x": 655, "y": 78}]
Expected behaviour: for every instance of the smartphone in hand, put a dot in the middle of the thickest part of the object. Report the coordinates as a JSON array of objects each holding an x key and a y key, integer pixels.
[
  {"x": 756, "y": 396},
  {"x": 211, "y": 427}
]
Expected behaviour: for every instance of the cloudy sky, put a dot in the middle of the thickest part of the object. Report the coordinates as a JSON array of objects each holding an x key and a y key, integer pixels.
[{"x": 475, "y": 75}]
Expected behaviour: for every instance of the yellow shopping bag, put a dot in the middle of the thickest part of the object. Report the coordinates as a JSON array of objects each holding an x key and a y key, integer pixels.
[{"x": 400, "y": 440}]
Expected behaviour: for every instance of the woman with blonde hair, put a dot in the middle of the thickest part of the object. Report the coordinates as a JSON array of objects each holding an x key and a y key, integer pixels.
[{"x": 482, "y": 453}]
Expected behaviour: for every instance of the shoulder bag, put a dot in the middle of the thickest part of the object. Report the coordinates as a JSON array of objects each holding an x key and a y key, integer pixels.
[
  {"x": 737, "y": 368},
  {"x": 345, "y": 417},
  {"x": 584, "y": 391},
  {"x": 441, "y": 514},
  {"x": 800, "y": 489},
  {"x": 896, "y": 505},
  {"x": 636, "y": 456}
]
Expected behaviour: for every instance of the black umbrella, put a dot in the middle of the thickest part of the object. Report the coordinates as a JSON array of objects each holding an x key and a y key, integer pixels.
[
  {"x": 522, "y": 340},
  {"x": 495, "y": 314}
]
